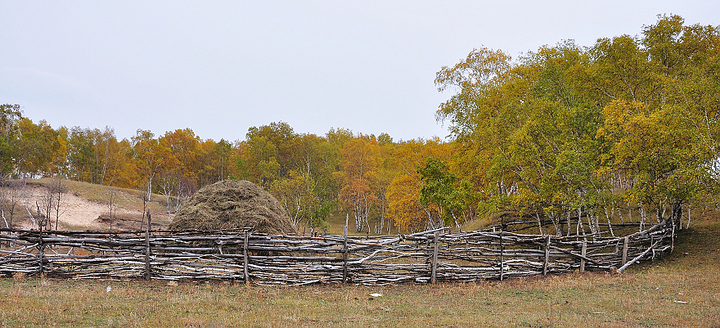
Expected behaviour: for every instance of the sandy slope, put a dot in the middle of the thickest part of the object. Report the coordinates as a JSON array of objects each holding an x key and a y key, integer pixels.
[{"x": 75, "y": 212}]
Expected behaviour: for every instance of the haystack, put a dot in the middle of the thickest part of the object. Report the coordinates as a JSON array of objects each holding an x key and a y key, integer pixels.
[{"x": 230, "y": 205}]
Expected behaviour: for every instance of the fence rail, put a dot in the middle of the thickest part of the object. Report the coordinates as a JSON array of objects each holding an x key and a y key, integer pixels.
[{"x": 240, "y": 255}]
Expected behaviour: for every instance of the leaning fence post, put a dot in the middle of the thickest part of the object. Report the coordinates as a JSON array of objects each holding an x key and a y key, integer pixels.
[
  {"x": 147, "y": 247},
  {"x": 433, "y": 276},
  {"x": 626, "y": 240},
  {"x": 547, "y": 255},
  {"x": 246, "y": 274},
  {"x": 345, "y": 250}
]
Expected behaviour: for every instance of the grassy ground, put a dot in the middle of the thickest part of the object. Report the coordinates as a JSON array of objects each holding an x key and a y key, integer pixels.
[{"x": 680, "y": 290}]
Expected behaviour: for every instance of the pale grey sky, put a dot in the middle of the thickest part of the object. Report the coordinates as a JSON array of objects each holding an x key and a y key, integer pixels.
[{"x": 220, "y": 67}]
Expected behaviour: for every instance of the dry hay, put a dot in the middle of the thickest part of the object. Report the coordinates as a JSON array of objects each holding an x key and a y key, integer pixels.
[{"x": 231, "y": 205}]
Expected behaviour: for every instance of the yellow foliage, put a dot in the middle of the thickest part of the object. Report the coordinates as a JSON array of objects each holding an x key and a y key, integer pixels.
[{"x": 404, "y": 206}]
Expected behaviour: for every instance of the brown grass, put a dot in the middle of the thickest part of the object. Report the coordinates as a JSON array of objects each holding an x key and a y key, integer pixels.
[
  {"x": 129, "y": 199},
  {"x": 680, "y": 290}
]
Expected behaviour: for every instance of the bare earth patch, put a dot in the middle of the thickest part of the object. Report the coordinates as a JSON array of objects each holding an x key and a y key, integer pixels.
[{"x": 76, "y": 213}]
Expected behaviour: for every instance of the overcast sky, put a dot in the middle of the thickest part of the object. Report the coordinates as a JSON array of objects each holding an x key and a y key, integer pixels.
[{"x": 220, "y": 67}]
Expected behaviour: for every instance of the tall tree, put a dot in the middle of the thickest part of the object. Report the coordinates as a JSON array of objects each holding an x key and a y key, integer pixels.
[
  {"x": 41, "y": 149},
  {"x": 359, "y": 162},
  {"x": 284, "y": 140},
  {"x": 10, "y": 116},
  {"x": 149, "y": 156},
  {"x": 453, "y": 197},
  {"x": 403, "y": 194}
]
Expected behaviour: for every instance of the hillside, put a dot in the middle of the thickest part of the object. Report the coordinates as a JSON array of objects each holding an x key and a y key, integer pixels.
[{"x": 85, "y": 206}]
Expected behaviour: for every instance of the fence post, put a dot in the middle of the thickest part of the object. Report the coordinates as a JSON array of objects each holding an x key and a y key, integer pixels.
[
  {"x": 626, "y": 240},
  {"x": 672, "y": 237},
  {"x": 41, "y": 246},
  {"x": 547, "y": 255},
  {"x": 433, "y": 276},
  {"x": 147, "y": 247},
  {"x": 583, "y": 252},
  {"x": 502, "y": 254},
  {"x": 345, "y": 250},
  {"x": 246, "y": 274}
]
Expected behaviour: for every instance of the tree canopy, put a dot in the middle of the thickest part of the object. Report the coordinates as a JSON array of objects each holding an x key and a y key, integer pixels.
[{"x": 629, "y": 120}]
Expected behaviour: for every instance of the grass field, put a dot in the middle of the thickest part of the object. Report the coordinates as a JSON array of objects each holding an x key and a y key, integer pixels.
[{"x": 680, "y": 290}]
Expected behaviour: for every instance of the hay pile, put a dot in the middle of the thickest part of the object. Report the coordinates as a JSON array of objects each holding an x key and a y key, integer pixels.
[{"x": 230, "y": 205}]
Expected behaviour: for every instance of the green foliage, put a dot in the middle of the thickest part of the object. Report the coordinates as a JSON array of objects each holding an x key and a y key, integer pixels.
[
  {"x": 442, "y": 188},
  {"x": 10, "y": 116},
  {"x": 563, "y": 129}
]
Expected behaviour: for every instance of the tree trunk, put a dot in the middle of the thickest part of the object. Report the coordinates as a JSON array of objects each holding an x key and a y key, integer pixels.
[{"x": 539, "y": 221}]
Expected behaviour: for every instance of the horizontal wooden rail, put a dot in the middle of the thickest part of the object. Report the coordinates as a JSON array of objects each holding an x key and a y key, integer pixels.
[{"x": 242, "y": 255}]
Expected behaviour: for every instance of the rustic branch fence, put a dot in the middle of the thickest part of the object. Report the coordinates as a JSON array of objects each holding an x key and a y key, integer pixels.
[{"x": 243, "y": 256}]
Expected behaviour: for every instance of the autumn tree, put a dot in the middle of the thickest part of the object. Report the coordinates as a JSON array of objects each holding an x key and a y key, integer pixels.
[
  {"x": 688, "y": 58},
  {"x": 452, "y": 196},
  {"x": 296, "y": 169},
  {"x": 10, "y": 116},
  {"x": 403, "y": 194},
  {"x": 566, "y": 131},
  {"x": 661, "y": 140},
  {"x": 296, "y": 195},
  {"x": 387, "y": 171},
  {"x": 274, "y": 145},
  {"x": 149, "y": 157},
  {"x": 359, "y": 162},
  {"x": 315, "y": 161},
  {"x": 267, "y": 153},
  {"x": 41, "y": 149},
  {"x": 112, "y": 156},
  {"x": 217, "y": 157},
  {"x": 95, "y": 156}
]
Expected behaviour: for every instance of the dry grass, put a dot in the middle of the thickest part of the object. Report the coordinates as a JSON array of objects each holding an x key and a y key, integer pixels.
[
  {"x": 681, "y": 290},
  {"x": 130, "y": 199},
  {"x": 233, "y": 204}
]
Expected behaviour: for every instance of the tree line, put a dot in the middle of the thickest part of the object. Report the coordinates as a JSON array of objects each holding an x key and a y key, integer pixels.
[
  {"x": 628, "y": 125},
  {"x": 311, "y": 176}
]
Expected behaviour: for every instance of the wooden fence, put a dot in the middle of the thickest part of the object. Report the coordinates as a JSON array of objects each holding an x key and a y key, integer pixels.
[{"x": 243, "y": 256}]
